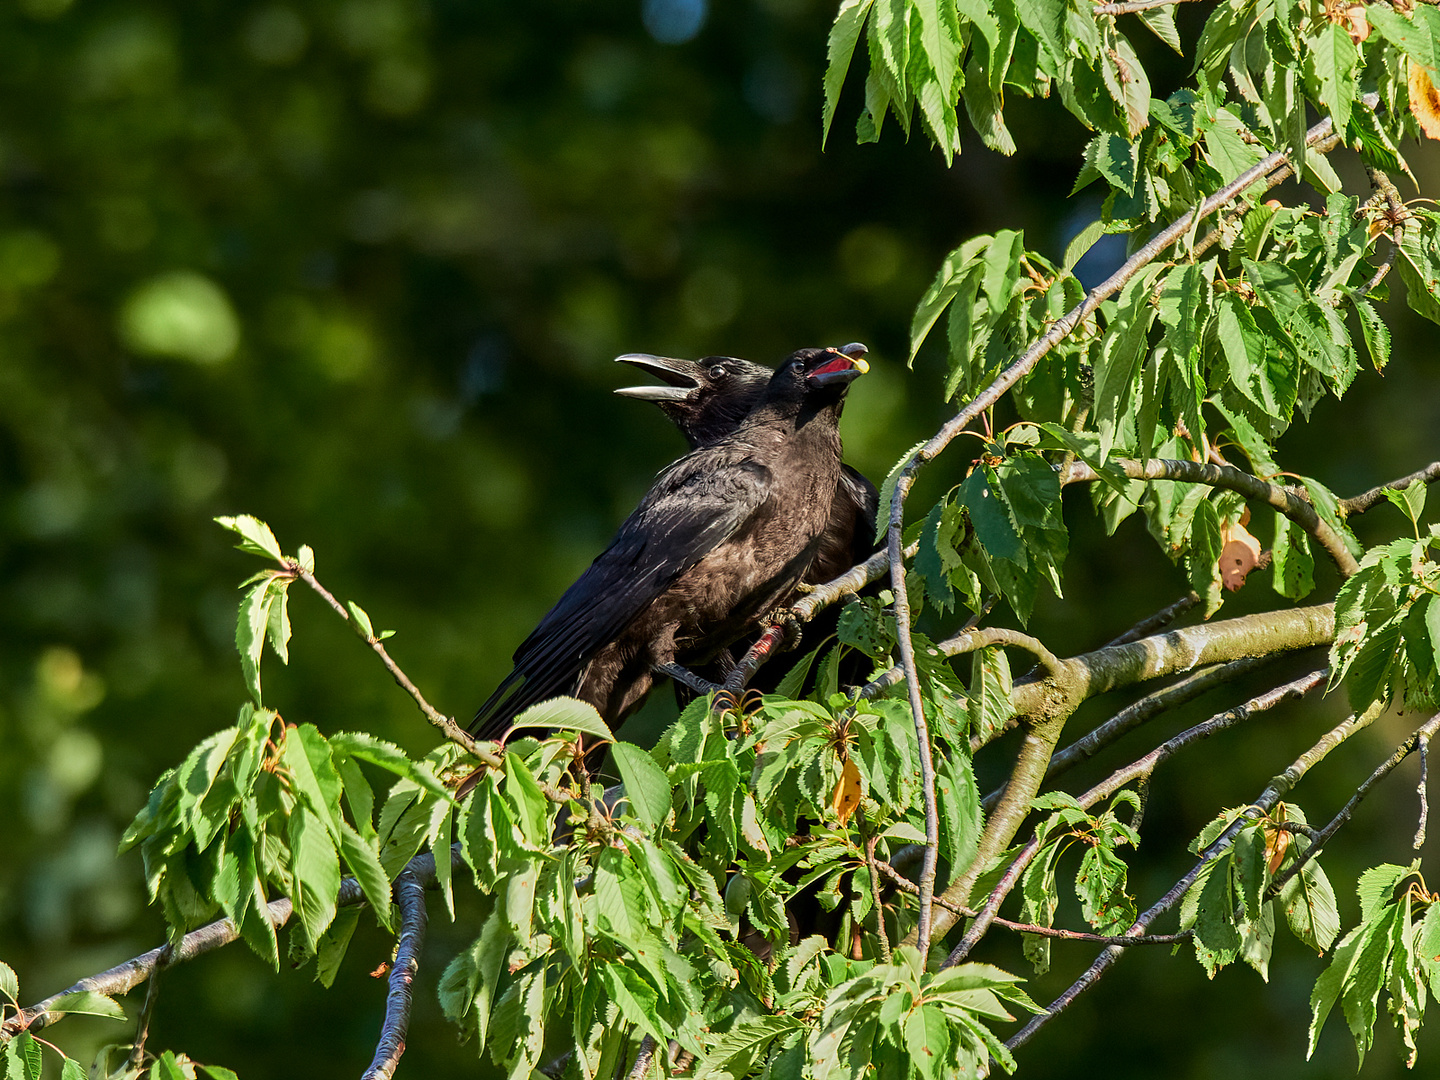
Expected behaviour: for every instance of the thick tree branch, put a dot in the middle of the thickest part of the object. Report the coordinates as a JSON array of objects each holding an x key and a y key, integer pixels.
[
  {"x": 1149, "y": 707},
  {"x": 1272, "y": 794},
  {"x": 409, "y": 892},
  {"x": 1293, "y": 506}
]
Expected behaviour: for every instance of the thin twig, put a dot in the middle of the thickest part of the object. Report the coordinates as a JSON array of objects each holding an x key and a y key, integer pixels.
[
  {"x": 122, "y": 978},
  {"x": 1273, "y": 180},
  {"x": 922, "y": 734},
  {"x": 1422, "y": 789},
  {"x": 147, "y": 1011},
  {"x": 1293, "y": 506},
  {"x": 451, "y": 730},
  {"x": 1358, "y": 504},
  {"x": 870, "y": 839},
  {"x": 1157, "y": 622},
  {"x": 1421, "y": 737},
  {"x": 1272, "y": 794},
  {"x": 409, "y": 894},
  {"x": 906, "y": 885},
  {"x": 815, "y": 600},
  {"x": 686, "y": 677},
  {"x": 1149, "y": 707},
  {"x": 1139, "y": 772},
  {"x": 968, "y": 641}
]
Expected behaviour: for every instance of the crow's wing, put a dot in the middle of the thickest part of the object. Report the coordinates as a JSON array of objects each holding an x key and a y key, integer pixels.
[
  {"x": 694, "y": 506},
  {"x": 860, "y": 493}
]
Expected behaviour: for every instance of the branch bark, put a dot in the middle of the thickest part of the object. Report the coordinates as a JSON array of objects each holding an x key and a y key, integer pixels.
[
  {"x": 409, "y": 894},
  {"x": 123, "y": 978},
  {"x": 1358, "y": 504},
  {"x": 1293, "y": 506}
]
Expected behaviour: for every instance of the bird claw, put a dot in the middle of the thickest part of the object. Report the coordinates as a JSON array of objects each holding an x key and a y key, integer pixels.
[{"x": 790, "y": 627}]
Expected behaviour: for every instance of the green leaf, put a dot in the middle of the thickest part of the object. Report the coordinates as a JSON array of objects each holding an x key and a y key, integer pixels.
[
  {"x": 1045, "y": 19},
  {"x": 315, "y": 870},
  {"x": 360, "y": 621},
  {"x": 1203, "y": 557},
  {"x": 1331, "y": 62},
  {"x": 9, "y": 983},
  {"x": 887, "y": 492},
  {"x": 363, "y": 862},
  {"x": 927, "y": 1040},
  {"x": 1292, "y": 563},
  {"x": 70, "y": 1069},
  {"x": 636, "y": 997},
  {"x": 330, "y": 952},
  {"x": 532, "y": 809},
  {"x": 1311, "y": 910},
  {"x": 1374, "y": 331},
  {"x": 1080, "y": 243},
  {"x": 250, "y": 630},
  {"x": 1410, "y": 500},
  {"x": 647, "y": 788},
  {"x": 844, "y": 33},
  {"x": 366, "y": 747},
  {"x": 89, "y": 1003},
  {"x": 565, "y": 714},
  {"x": 255, "y": 536}
]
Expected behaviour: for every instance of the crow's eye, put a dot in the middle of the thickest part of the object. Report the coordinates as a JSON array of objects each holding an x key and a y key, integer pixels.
[{"x": 718, "y": 372}]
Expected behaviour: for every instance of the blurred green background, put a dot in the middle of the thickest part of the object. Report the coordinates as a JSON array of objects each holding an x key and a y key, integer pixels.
[{"x": 359, "y": 267}]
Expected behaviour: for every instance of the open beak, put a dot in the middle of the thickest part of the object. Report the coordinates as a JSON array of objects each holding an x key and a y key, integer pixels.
[
  {"x": 678, "y": 375},
  {"x": 843, "y": 367}
]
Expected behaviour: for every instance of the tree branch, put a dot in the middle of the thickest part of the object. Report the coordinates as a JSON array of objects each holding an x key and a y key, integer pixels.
[
  {"x": 1419, "y": 738},
  {"x": 409, "y": 894},
  {"x": 906, "y": 885},
  {"x": 1296, "y": 508},
  {"x": 1358, "y": 504},
  {"x": 982, "y": 401},
  {"x": 448, "y": 727},
  {"x": 123, "y": 978},
  {"x": 1149, "y": 707},
  {"x": 1139, "y": 770},
  {"x": 1161, "y": 619},
  {"x": 1277, "y": 787}
]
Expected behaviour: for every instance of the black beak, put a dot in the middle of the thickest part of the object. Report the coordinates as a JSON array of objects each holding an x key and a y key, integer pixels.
[
  {"x": 842, "y": 368},
  {"x": 679, "y": 376}
]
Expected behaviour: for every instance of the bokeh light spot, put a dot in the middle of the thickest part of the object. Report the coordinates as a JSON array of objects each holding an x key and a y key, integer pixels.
[
  {"x": 275, "y": 35},
  {"x": 673, "y": 22},
  {"x": 183, "y": 315}
]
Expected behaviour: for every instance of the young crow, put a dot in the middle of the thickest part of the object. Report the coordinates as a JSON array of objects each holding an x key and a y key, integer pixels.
[
  {"x": 723, "y": 535},
  {"x": 707, "y": 399}
]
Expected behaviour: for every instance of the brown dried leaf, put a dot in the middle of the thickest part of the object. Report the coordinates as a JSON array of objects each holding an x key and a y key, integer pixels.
[
  {"x": 1239, "y": 556},
  {"x": 847, "y": 792},
  {"x": 1424, "y": 101},
  {"x": 1277, "y": 843}
]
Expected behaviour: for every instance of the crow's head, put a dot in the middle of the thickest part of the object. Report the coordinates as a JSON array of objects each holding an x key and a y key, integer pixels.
[
  {"x": 707, "y": 398},
  {"x": 819, "y": 375}
]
